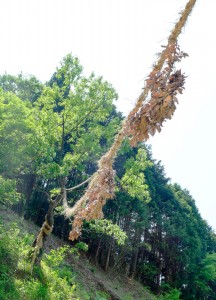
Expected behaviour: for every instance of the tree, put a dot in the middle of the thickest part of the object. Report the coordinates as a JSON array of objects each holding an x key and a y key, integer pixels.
[
  {"x": 26, "y": 88},
  {"x": 205, "y": 278},
  {"x": 17, "y": 131},
  {"x": 71, "y": 113},
  {"x": 69, "y": 117},
  {"x": 19, "y": 141}
]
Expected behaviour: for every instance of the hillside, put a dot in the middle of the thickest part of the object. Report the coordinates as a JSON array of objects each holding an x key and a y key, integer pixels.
[
  {"x": 59, "y": 165},
  {"x": 75, "y": 276}
]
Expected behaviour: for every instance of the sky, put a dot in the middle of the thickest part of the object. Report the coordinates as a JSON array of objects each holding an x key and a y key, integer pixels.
[{"x": 119, "y": 39}]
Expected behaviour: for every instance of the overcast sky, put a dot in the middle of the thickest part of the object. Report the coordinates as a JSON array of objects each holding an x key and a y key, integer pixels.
[{"x": 118, "y": 39}]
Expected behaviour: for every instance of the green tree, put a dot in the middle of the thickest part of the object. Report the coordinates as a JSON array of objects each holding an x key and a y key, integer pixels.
[
  {"x": 205, "y": 278},
  {"x": 27, "y": 88},
  {"x": 17, "y": 135},
  {"x": 76, "y": 120}
]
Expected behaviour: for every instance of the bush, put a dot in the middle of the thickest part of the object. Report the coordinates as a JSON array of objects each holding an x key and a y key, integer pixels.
[
  {"x": 8, "y": 263},
  {"x": 172, "y": 295},
  {"x": 53, "y": 281}
]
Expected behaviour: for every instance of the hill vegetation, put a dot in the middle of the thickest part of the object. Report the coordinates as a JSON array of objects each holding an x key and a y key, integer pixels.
[
  {"x": 65, "y": 272},
  {"x": 152, "y": 234},
  {"x": 60, "y": 135}
]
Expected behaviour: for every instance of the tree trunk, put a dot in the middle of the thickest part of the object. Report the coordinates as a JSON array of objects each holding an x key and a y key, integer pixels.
[
  {"x": 47, "y": 227},
  {"x": 44, "y": 232},
  {"x": 108, "y": 255},
  {"x": 25, "y": 186},
  {"x": 141, "y": 257},
  {"x": 97, "y": 252},
  {"x": 134, "y": 263}
]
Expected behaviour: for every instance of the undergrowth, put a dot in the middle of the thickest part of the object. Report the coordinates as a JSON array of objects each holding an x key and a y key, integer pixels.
[{"x": 53, "y": 280}]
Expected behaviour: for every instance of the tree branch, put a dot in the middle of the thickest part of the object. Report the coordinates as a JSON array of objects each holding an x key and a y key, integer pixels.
[{"x": 79, "y": 185}]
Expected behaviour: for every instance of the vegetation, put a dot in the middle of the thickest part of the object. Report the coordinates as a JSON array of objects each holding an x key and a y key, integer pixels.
[
  {"x": 52, "y": 135},
  {"x": 62, "y": 275},
  {"x": 152, "y": 231},
  {"x": 49, "y": 282}
]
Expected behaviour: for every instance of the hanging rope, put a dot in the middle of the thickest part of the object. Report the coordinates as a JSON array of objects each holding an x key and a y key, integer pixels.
[{"x": 156, "y": 103}]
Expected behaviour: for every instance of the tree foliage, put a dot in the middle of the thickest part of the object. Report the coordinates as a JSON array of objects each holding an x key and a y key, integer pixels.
[{"x": 52, "y": 135}]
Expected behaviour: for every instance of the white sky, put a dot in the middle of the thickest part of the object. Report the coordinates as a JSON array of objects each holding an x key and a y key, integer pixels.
[{"x": 118, "y": 39}]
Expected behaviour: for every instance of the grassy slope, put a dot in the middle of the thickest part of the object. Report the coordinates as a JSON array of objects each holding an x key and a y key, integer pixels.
[{"x": 88, "y": 283}]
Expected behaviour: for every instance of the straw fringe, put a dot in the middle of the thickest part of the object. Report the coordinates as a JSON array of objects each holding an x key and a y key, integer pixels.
[{"x": 101, "y": 187}]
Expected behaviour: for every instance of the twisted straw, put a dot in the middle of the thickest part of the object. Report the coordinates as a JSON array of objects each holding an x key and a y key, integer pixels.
[{"x": 101, "y": 186}]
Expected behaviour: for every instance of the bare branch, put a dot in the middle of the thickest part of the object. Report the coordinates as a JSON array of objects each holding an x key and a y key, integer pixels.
[{"x": 79, "y": 185}]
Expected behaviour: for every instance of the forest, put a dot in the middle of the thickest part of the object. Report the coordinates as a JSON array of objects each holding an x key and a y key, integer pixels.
[
  {"x": 151, "y": 231},
  {"x": 86, "y": 212}
]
